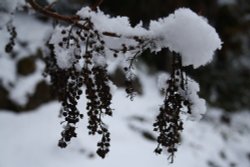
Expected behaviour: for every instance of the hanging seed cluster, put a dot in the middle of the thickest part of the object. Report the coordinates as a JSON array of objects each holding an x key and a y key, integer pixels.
[
  {"x": 67, "y": 87},
  {"x": 68, "y": 82},
  {"x": 13, "y": 34},
  {"x": 168, "y": 123},
  {"x": 88, "y": 68},
  {"x": 97, "y": 92}
]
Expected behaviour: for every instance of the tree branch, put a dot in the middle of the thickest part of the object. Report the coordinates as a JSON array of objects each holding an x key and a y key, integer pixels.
[
  {"x": 69, "y": 19},
  {"x": 45, "y": 11}
]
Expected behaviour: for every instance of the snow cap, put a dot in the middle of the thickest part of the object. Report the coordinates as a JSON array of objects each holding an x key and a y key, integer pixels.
[{"x": 188, "y": 34}]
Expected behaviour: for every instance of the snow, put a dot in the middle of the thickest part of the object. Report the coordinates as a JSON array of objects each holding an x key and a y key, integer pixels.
[
  {"x": 106, "y": 23},
  {"x": 30, "y": 139},
  {"x": 20, "y": 87},
  {"x": 64, "y": 58},
  {"x": 5, "y": 18},
  {"x": 186, "y": 33},
  {"x": 7, "y": 8},
  {"x": 183, "y": 32},
  {"x": 32, "y": 31},
  {"x": 8, "y": 71},
  {"x": 65, "y": 54},
  {"x": 198, "y": 107},
  {"x": 162, "y": 81},
  {"x": 100, "y": 61},
  {"x": 25, "y": 86}
]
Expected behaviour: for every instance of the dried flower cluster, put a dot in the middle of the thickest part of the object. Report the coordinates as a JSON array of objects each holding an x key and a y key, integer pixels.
[
  {"x": 168, "y": 122},
  {"x": 78, "y": 62},
  {"x": 68, "y": 84},
  {"x": 85, "y": 64},
  {"x": 97, "y": 92}
]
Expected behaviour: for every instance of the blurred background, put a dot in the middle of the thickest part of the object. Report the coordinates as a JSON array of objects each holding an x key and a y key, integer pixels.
[{"x": 224, "y": 83}]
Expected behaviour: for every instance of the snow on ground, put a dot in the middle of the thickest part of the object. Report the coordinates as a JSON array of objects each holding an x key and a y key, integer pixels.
[{"x": 30, "y": 139}]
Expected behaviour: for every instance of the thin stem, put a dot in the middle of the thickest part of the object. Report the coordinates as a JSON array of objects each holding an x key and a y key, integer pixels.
[{"x": 45, "y": 11}]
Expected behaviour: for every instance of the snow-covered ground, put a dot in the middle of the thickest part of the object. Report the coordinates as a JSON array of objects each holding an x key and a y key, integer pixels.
[{"x": 30, "y": 139}]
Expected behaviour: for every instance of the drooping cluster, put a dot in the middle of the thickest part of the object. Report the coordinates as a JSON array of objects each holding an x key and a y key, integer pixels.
[
  {"x": 78, "y": 57},
  {"x": 97, "y": 92},
  {"x": 83, "y": 64},
  {"x": 67, "y": 87},
  {"x": 99, "y": 101},
  {"x": 169, "y": 123},
  {"x": 13, "y": 34}
]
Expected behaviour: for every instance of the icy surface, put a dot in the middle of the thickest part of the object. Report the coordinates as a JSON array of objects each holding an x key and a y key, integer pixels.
[{"x": 30, "y": 139}]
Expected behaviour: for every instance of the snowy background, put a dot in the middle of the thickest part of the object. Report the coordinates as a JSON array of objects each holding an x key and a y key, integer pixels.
[{"x": 29, "y": 139}]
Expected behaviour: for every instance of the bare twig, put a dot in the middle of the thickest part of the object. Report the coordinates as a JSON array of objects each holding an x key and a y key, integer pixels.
[{"x": 45, "y": 11}]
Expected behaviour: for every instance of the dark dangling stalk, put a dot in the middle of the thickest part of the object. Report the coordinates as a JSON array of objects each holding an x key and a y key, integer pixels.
[
  {"x": 168, "y": 123},
  {"x": 97, "y": 92},
  {"x": 13, "y": 35},
  {"x": 67, "y": 84}
]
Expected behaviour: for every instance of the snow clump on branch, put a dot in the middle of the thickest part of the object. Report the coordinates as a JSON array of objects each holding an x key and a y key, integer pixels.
[
  {"x": 183, "y": 32},
  {"x": 80, "y": 55},
  {"x": 188, "y": 34}
]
